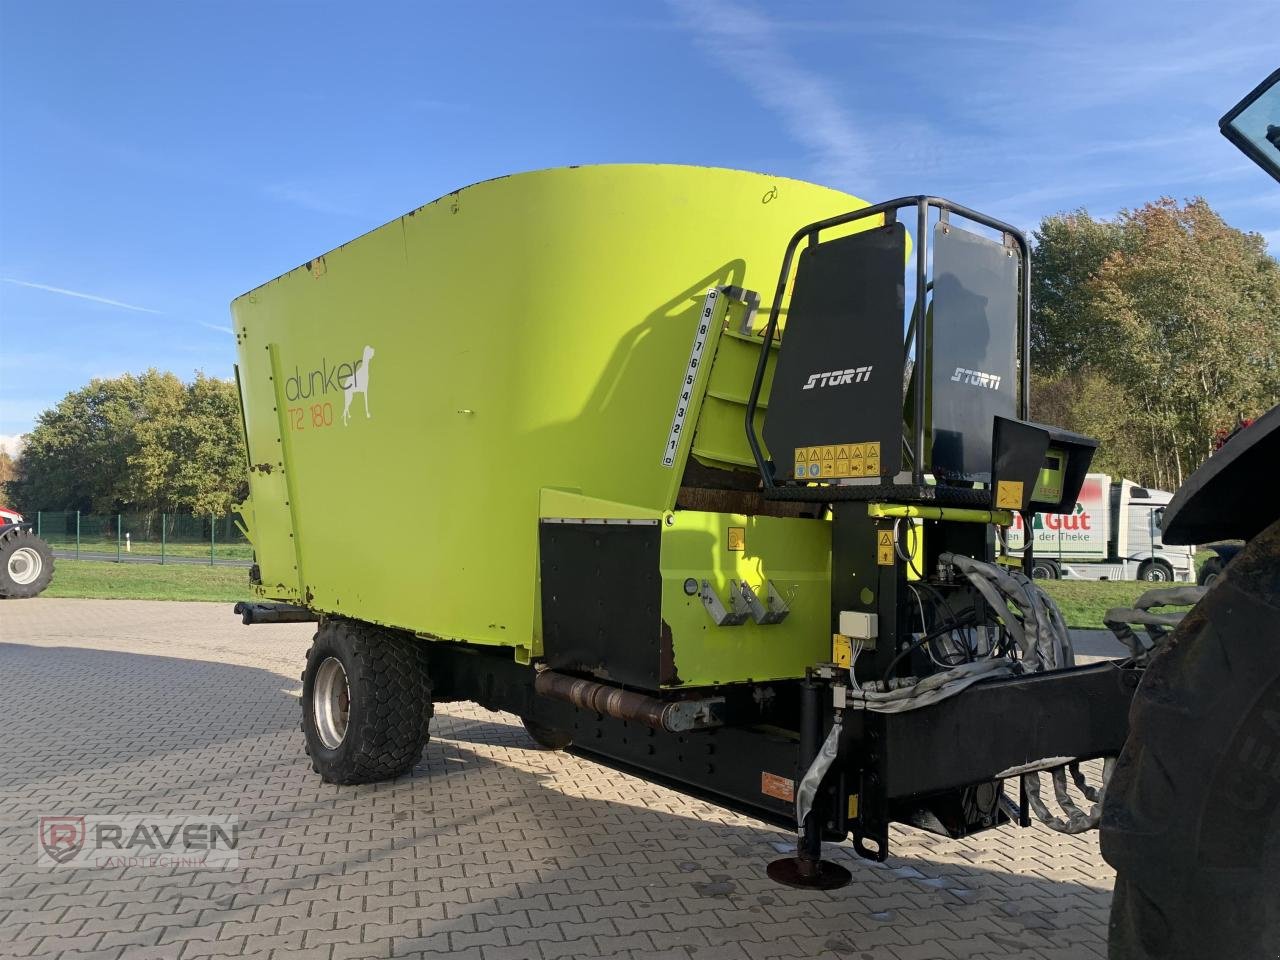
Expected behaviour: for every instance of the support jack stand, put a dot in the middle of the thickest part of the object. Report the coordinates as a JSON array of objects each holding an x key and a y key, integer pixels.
[{"x": 809, "y": 873}]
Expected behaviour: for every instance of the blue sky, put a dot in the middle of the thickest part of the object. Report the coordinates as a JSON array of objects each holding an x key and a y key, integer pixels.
[{"x": 159, "y": 158}]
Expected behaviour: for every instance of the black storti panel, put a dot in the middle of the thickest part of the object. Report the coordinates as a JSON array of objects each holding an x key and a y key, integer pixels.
[
  {"x": 973, "y": 349},
  {"x": 839, "y": 375}
]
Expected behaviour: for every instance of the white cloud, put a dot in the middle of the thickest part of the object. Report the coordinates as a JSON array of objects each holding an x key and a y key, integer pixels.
[
  {"x": 315, "y": 199},
  {"x": 94, "y": 298},
  {"x": 744, "y": 43},
  {"x": 78, "y": 295},
  {"x": 11, "y": 443}
]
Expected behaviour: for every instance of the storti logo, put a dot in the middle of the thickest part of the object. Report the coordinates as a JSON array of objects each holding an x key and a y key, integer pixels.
[
  {"x": 976, "y": 378},
  {"x": 61, "y": 838},
  {"x": 837, "y": 378},
  {"x": 359, "y": 383}
]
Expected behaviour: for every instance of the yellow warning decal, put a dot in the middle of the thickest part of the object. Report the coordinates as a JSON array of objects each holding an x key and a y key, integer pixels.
[
  {"x": 737, "y": 538},
  {"x": 837, "y": 461},
  {"x": 841, "y": 650},
  {"x": 853, "y": 806},
  {"x": 884, "y": 548},
  {"x": 1009, "y": 495}
]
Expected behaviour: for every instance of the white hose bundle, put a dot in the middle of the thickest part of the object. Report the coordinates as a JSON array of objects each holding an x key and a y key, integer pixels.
[
  {"x": 1045, "y": 642},
  {"x": 1030, "y": 616},
  {"x": 1036, "y": 625}
]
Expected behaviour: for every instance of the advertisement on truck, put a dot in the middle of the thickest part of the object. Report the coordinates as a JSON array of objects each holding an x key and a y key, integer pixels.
[
  {"x": 1081, "y": 535},
  {"x": 1113, "y": 534}
]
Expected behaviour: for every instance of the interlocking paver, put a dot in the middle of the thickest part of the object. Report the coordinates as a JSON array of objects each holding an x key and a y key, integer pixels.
[{"x": 491, "y": 849}]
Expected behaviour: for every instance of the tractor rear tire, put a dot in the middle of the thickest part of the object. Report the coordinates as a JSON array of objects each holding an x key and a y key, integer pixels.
[
  {"x": 1191, "y": 819},
  {"x": 366, "y": 702},
  {"x": 547, "y": 738},
  {"x": 26, "y": 565}
]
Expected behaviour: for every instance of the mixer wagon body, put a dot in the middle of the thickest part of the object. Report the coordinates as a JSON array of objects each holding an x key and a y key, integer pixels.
[
  {"x": 584, "y": 478},
  {"x": 517, "y": 350}
]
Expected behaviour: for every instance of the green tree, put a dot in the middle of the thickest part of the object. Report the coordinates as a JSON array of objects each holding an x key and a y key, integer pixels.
[
  {"x": 1069, "y": 250},
  {"x": 78, "y": 456},
  {"x": 193, "y": 460},
  {"x": 144, "y": 442},
  {"x": 1153, "y": 331}
]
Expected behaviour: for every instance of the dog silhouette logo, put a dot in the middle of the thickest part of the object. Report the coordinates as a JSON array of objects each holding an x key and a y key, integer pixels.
[{"x": 359, "y": 384}]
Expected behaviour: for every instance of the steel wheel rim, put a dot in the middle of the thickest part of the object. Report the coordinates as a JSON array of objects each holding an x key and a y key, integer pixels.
[
  {"x": 331, "y": 703},
  {"x": 25, "y": 566}
]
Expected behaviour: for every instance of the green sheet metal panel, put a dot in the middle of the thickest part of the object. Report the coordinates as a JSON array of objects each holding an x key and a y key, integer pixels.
[
  {"x": 792, "y": 554},
  {"x": 414, "y": 390}
]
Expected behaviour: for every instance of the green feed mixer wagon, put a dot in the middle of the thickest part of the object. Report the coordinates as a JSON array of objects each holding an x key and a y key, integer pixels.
[{"x": 703, "y": 474}]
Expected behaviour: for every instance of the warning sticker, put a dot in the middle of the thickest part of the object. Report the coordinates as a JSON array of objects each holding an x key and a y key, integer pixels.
[
  {"x": 837, "y": 461},
  {"x": 780, "y": 788},
  {"x": 884, "y": 548},
  {"x": 1009, "y": 495},
  {"x": 841, "y": 650},
  {"x": 737, "y": 538}
]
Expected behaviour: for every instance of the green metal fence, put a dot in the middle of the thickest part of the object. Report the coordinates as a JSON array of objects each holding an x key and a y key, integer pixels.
[{"x": 144, "y": 537}]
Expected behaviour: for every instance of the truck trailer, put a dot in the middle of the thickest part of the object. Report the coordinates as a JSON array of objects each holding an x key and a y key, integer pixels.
[
  {"x": 1112, "y": 533},
  {"x": 670, "y": 472}
]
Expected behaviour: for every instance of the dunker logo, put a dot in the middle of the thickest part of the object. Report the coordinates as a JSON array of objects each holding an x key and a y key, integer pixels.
[
  {"x": 350, "y": 377},
  {"x": 359, "y": 384}
]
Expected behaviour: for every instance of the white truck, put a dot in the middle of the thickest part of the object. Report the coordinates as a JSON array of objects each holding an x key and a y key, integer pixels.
[{"x": 1113, "y": 534}]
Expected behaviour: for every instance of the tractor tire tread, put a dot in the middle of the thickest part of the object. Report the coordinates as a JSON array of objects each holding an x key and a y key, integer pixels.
[
  {"x": 1190, "y": 733},
  {"x": 16, "y": 539},
  {"x": 388, "y": 674}
]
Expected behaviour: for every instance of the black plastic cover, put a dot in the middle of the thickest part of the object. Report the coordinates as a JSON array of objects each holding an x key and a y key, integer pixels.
[
  {"x": 1229, "y": 495},
  {"x": 839, "y": 373},
  {"x": 973, "y": 354}
]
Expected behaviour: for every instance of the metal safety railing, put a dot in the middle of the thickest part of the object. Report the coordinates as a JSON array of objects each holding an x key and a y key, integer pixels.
[{"x": 889, "y": 211}]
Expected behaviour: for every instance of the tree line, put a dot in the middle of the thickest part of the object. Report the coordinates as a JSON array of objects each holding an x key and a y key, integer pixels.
[
  {"x": 145, "y": 442},
  {"x": 1155, "y": 332}
]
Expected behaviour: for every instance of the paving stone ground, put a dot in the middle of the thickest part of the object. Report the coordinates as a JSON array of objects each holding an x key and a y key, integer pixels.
[{"x": 490, "y": 850}]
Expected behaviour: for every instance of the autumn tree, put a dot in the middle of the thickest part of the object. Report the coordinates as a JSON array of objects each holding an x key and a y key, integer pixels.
[
  {"x": 1153, "y": 331},
  {"x": 6, "y": 472}
]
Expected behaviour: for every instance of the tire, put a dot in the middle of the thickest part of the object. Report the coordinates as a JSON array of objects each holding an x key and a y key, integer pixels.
[
  {"x": 1210, "y": 571},
  {"x": 1155, "y": 571},
  {"x": 547, "y": 738},
  {"x": 1191, "y": 818},
  {"x": 1045, "y": 570},
  {"x": 26, "y": 565},
  {"x": 366, "y": 702}
]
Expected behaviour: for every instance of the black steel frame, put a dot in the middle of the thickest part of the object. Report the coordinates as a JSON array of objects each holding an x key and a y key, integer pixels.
[
  {"x": 889, "y": 210},
  {"x": 884, "y": 758},
  {"x": 1242, "y": 143}
]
